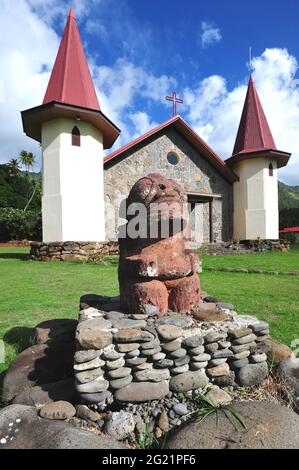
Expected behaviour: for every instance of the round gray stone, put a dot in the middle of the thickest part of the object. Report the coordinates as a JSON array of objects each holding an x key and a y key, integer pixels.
[
  {"x": 142, "y": 391},
  {"x": 114, "y": 316},
  {"x": 258, "y": 358},
  {"x": 87, "y": 355},
  {"x": 239, "y": 363},
  {"x": 127, "y": 347},
  {"x": 121, "y": 382},
  {"x": 253, "y": 374},
  {"x": 196, "y": 351},
  {"x": 119, "y": 373},
  {"x": 119, "y": 424},
  {"x": 169, "y": 332},
  {"x": 198, "y": 365},
  {"x": 188, "y": 381},
  {"x": 89, "y": 375},
  {"x": 172, "y": 345},
  {"x": 164, "y": 363},
  {"x": 178, "y": 353},
  {"x": 180, "y": 409},
  {"x": 193, "y": 341},
  {"x": 182, "y": 321},
  {"x": 180, "y": 369},
  {"x": 152, "y": 375}
]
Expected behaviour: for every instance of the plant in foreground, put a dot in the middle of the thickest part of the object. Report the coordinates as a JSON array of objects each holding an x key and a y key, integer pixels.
[
  {"x": 147, "y": 439},
  {"x": 208, "y": 406}
]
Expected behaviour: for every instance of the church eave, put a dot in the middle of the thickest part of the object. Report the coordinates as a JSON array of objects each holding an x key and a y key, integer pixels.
[
  {"x": 34, "y": 117},
  {"x": 281, "y": 157}
]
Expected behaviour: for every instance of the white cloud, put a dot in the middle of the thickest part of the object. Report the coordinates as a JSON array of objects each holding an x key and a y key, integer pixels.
[
  {"x": 211, "y": 108},
  {"x": 24, "y": 75},
  {"x": 120, "y": 86},
  {"x": 215, "y": 112},
  {"x": 210, "y": 34},
  {"x": 142, "y": 122}
]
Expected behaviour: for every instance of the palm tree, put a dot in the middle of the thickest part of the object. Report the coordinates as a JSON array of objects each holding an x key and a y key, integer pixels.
[
  {"x": 14, "y": 166},
  {"x": 27, "y": 159}
]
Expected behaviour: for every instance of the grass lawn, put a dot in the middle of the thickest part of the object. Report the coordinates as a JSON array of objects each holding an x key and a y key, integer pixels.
[
  {"x": 35, "y": 291},
  {"x": 276, "y": 261}
]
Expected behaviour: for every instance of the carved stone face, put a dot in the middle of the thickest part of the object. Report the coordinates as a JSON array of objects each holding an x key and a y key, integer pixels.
[
  {"x": 157, "y": 188},
  {"x": 164, "y": 199}
]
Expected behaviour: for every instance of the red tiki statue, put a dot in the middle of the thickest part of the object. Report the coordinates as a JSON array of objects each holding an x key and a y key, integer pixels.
[{"x": 157, "y": 271}]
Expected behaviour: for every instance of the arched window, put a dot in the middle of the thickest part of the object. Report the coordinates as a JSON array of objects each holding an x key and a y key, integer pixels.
[
  {"x": 76, "y": 137},
  {"x": 270, "y": 169}
]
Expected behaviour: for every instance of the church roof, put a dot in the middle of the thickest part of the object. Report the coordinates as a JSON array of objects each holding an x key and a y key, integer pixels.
[
  {"x": 254, "y": 132},
  {"x": 70, "y": 93},
  {"x": 188, "y": 133},
  {"x": 70, "y": 80},
  {"x": 254, "y": 137}
]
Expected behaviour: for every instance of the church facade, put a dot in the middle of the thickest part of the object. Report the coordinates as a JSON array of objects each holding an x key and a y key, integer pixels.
[
  {"x": 175, "y": 151},
  {"x": 235, "y": 199}
]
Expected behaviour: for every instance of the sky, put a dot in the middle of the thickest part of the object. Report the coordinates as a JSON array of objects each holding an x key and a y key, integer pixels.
[{"x": 141, "y": 50}]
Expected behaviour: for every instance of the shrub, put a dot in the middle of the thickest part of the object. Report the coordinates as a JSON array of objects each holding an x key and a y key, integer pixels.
[{"x": 15, "y": 224}]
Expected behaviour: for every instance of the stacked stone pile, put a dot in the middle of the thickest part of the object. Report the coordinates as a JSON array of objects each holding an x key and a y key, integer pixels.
[
  {"x": 71, "y": 251},
  {"x": 137, "y": 358}
]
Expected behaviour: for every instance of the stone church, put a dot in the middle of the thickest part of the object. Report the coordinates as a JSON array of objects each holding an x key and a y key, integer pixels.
[{"x": 83, "y": 190}]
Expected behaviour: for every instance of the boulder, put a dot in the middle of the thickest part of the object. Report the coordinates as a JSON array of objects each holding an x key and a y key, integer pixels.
[
  {"x": 40, "y": 364},
  {"x": 35, "y": 432},
  {"x": 275, "y": 350},
  {"x": 252, "y": 374},
  {"x": 268, "y": 426},
  {"x": 40, "y": 394},
  {"x": 61, "y": 330},
  {"x": 288, "y": 372}
]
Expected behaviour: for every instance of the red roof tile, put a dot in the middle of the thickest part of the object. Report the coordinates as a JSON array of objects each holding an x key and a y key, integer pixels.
[
  {"x": 70, "y": 81},
  {"x": 254, "y": 132},
  {"x": 289, "y": 229}
]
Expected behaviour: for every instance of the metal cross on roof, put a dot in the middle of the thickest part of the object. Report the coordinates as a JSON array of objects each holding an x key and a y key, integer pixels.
[{"x": 174, "y": 100}]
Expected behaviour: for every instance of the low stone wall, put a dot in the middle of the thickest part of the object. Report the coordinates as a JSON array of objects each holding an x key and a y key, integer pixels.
[
  {"x": 72, "y": 251},
  {"x": 138, "y": 358},
  {"x": 247, "y": 247}
]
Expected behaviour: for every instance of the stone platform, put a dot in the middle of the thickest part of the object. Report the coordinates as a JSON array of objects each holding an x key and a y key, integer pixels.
[{"x": 130, "y": 358}]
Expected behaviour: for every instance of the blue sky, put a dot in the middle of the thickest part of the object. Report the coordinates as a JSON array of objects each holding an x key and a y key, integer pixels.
[{"x": 139, "y": 51}]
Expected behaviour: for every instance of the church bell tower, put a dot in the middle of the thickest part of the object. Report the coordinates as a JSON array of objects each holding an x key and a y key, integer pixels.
[
  {"x": 255, "y": 161},
  {"x": 73, "y": 132}
]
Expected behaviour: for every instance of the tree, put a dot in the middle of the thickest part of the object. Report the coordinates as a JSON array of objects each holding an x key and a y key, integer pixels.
[
  {"x": 13, "y": 166},
  {"x": 27, "y": 159}
]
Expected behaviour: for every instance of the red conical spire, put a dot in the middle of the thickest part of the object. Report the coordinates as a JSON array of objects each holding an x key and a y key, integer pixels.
[
  {"x": 70, "y": 81},
  {"x": 254, "y": 132}
]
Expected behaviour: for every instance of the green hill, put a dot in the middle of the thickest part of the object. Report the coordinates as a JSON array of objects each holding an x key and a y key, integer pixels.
[{"x": 288, "y": 196}]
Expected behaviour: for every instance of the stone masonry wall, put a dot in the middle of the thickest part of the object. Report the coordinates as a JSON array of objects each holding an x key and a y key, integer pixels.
[
  {"x": 193, "y": 171},
  {"x": 136, "y": 358},
  {"x": 71, "y": 251}
]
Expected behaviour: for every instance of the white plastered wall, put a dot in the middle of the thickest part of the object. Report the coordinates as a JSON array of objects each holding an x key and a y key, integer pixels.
[
  {"x": 73, "y": 188},
  {"x": 255, "y": 200}
]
